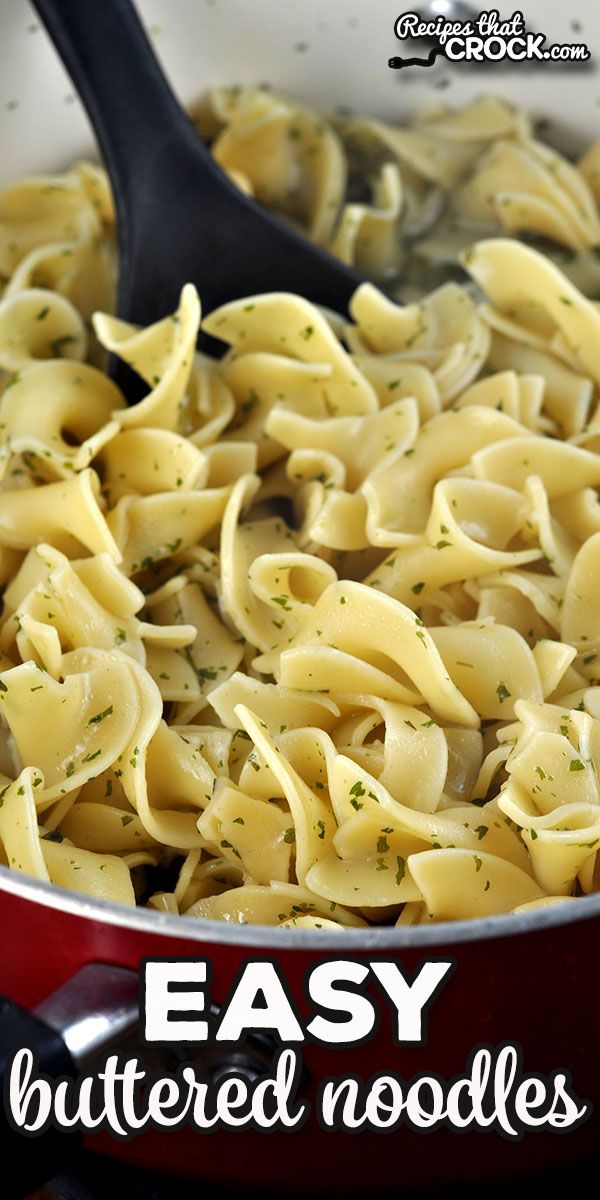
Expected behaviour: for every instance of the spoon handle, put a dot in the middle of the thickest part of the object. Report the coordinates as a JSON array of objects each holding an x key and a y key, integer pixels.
[
  {"x": 179, "y": 216},
  {"x": 106, "y": 51},
  {"x": 148, "y": 144}
]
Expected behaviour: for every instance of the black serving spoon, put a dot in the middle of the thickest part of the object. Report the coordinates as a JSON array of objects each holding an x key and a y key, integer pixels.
[{"x": 179, "y": 217}]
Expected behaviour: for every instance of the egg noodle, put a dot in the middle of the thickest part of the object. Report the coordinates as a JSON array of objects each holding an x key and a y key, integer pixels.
[{"x": 308, "y": 636}]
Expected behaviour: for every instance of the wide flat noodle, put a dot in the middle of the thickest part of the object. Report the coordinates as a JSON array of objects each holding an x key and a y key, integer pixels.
[{"x": 309, "y": 636}]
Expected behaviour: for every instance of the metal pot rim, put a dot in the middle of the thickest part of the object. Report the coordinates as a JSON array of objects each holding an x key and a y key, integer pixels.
[{"x": 267, "y": 937}]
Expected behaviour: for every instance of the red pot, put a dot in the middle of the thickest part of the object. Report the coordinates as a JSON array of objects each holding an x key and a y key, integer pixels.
[{"x": 531, "y": 978}]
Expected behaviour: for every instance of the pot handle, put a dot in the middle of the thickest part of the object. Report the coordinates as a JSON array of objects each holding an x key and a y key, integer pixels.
[
  {"x": 89, "y": 1014},
  {"x": 31, "y": 1163}
]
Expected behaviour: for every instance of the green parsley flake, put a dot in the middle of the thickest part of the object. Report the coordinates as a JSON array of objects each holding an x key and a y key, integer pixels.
[
  {"x": 59, "y": 343},
  {"x": 90, "y": 757},
  {"x": 101, "y": 716},
  {"x": 206, "y": 673}
]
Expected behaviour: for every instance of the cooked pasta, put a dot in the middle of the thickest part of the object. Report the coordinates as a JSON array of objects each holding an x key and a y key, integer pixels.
[
  {"x": 401, "y": 203},
  {"x": 308, "y": 637}
]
